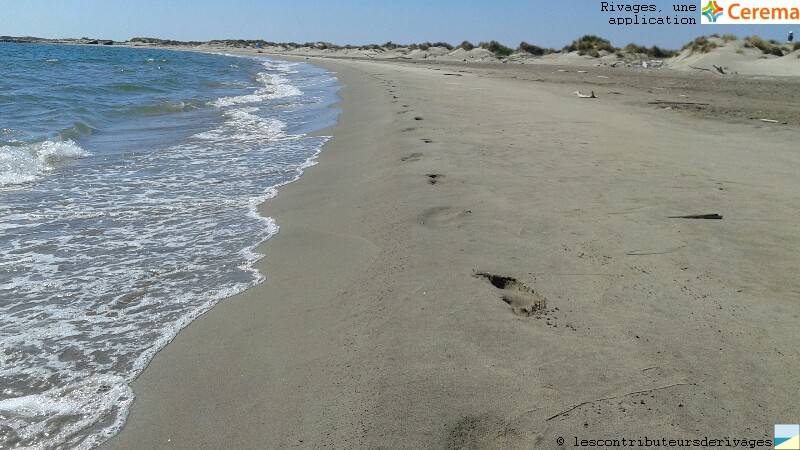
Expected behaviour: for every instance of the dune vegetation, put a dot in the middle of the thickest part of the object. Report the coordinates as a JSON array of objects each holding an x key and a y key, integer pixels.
[
  {"x": 534, "y": 50},
  {"x": 770, "y": 47},
  {"x": 590, "y": 45},
  {"x": 587, "y": 45},
  {"x": 701, "y": 44},
  {"x": 705, "y": 44},
  {"x": 497, "y": 48}
]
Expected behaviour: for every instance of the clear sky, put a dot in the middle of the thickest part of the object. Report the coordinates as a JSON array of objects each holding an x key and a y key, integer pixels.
[{"x": 550, "y": 23}]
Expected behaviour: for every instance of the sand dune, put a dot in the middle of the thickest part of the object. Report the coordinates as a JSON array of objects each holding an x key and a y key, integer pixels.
[
  {"x": 739, "y": 57},
  {"x": 735, "y": 56}
]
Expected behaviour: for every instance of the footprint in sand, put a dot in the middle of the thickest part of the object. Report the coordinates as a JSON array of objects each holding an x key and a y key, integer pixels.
[
  {"x": 483, "y": 431},
  {"x": 434, "y": 178},
  {"x": 427, "y": 141},
  {"x": 443, "y": 215},
  {"x": 523, "y": 300},
  {"x": 412, "y": 157}
]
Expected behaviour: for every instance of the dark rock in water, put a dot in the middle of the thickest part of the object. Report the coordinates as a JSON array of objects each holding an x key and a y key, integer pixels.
[
  {"x": 92, "y": 42},
  {"x": 108, "y": 42}
]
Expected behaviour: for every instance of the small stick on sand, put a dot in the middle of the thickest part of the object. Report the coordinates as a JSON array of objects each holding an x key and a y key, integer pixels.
[
  {"x": 645, "y": 253},
  {"x": 578, "y": 93},
  {"x": 647, "y": 391},
  {"x": 769, "y": 120}
]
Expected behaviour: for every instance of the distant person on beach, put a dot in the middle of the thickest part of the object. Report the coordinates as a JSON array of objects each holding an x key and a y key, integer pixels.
[{"x": 791, "y": 36}]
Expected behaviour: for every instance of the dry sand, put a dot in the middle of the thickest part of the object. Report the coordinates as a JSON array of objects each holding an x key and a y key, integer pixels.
[{"x": 374, "y": 332}]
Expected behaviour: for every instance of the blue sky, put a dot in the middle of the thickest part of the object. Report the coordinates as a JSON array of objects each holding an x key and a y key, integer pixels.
[{"x": 549, "y": 23}]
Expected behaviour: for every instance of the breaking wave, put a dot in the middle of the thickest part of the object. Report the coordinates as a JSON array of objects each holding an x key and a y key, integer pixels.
[{"x": 23, "y": 164}]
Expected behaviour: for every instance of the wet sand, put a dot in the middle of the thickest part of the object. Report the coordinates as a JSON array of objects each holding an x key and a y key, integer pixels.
[{"x": 483, "y": 260}]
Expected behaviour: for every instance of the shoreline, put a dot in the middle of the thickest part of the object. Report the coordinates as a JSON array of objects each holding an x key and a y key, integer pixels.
[
  {"x": 242, "y": 188},
  {"x": 266, "y": 209},
  {"x": 389, "y": 340}
]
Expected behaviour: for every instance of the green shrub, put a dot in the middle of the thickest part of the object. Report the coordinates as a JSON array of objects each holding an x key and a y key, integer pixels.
[
  {"x": 658, "y": 52},
  {"x": 590, "y": 52},
  {"x": 653, "y": 52},
  {"x": 425, "y": 46},
  {"x": 701, "y": 45},
  {"x": 590, "y": 44},
  {"x": 633, "y": 48},
  {"x": 497, "y": 48},
  {"x": 531, "y": 49},
  {"x": 755, "y": 42},
  {"x": 771, "y": 47},
  {"x": 466, "y": 45},
  {"x": 729, "y": 37},
  {"x": 777, "y": 51}
]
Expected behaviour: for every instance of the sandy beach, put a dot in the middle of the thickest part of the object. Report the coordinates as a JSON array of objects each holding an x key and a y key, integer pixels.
[{"x": 483, "y": 260}]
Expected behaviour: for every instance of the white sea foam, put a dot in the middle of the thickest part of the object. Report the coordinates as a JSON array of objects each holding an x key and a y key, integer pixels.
[
  {"x": 64, "y": 412},
  {"x": 22, "y": 164},
  {"x": 273, "y": 86}
]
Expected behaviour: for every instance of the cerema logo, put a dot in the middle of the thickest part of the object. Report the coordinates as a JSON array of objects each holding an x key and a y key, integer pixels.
[{"x": 712, "y": 11}]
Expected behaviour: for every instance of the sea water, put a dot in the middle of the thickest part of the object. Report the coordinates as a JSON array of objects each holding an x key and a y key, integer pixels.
[{"x": 129, "y": 181}]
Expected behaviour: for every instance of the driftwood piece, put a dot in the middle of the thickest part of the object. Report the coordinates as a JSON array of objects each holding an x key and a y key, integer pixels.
[
  {"x": 717, "y": 69},
  {"x": 673, "y": 103},
  {"x": 579, "y": 94},
  {"x": 699, "y": 216}
]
